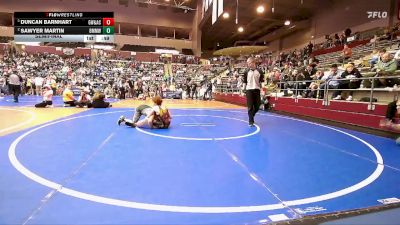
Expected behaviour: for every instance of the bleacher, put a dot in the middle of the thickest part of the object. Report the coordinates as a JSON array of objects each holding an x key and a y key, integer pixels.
[
  {"x": 365, "y": 113},
  {"x": 358, "y": 52}
]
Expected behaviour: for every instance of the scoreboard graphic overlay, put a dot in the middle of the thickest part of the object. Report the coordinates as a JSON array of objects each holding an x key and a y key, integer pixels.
[{"x": 89, "y": 27}]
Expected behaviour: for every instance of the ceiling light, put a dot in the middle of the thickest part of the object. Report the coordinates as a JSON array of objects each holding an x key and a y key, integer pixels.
[
  {"x": 287, "y": 23},
  {"x": 260, "y": 9},
  {"x": 240, "y": 29},
  {"x": 225, "y": 15},
  {"x": 167, "y": 0}
]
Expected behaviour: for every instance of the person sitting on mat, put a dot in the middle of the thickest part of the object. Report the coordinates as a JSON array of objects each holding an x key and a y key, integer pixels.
[
  {"x": 157, "y": 116},
  {"x": 84, "y": 99},
  {"x": 68, "y": 96},
  {"x": 98, "y": 101},
  {"x": 47, "y": 97}
]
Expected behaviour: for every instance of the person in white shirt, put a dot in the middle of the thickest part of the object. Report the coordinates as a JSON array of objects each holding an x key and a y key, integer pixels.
[
  {"x": 84, "y": 99},
  {"x": 252, "y": 82},
  {"x": 47, "y": 97},
  {"x": 38, "y": 84}
]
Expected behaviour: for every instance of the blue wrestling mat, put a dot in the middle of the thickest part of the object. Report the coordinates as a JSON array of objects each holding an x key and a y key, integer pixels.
[{"x": 210, "y": 167}]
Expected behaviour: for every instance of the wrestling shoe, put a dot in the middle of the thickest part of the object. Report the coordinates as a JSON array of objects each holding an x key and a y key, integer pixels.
[{"x": 120, "y": 120}]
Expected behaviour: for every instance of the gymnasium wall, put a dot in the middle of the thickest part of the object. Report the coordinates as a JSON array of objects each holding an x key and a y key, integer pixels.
[
  {"x": 335, "y": 18},
  {"x": 6, "y": 31},
  {"x": 344, "y": 14}
]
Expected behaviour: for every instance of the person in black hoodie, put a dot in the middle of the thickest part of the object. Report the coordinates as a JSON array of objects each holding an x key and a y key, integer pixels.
[
  {"x": 350, "y": 73},
  {"x": 98, "y": 101}
]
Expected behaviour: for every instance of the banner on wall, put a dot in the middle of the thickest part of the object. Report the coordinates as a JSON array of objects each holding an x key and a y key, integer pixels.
[
  {"x": 68, "y": 51},
  {"x": 214, "y": 12},
  {"x": 220, "y": 7},
  {"x": 217, "y": 8}
]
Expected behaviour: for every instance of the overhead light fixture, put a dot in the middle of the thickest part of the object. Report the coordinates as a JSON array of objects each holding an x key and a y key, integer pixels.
[
  {"x": 167, "y": 0},
  {"x": 240, "y": 29},
  {"x": 312, "y": 36},
  {"x": 225, "y": 15},
  {"x": 260, "y": 9},
  {"x": 287, "y": 23}
]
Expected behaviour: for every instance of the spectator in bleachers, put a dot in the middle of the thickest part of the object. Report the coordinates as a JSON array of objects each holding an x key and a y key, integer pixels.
[
  {"x": 29, "y": 89},
  {"x": 336, "y": 40},
  {"x": 397, "y": 58},
  {"x": 38, "y": 84},
  {"x": 343, "y": 39},
  {"x": 347, "y": 53},
  {"x": 386, "y": 67},
  {"x": 347, "y": 32},
  {"x": 312, "y": 91},
  {"x": 309, "y": 71},
  {"x": 375, "y": 56},
  {"x": 109, "y": 92},
  {"x": 3, "y": 86},
  {"x": 349, "y": 73},
  {"x": 193, "y": 90},
  {"x": 329, "y": 79},
  {"x": 310, "y": 47},
  {"x": 289, "y": 81}
]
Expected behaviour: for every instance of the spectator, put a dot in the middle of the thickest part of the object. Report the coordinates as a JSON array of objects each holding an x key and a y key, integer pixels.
[
  {"x": 386, "y": 67},
  {"x": 68, "y": 96},
  {"x": 347, "y": 53},
  {"x": 330, "y": 79},
  {"x": 98, "y": 101},
  {"x": 375, "y": 56},
  {"x": 349, "y": 73},
  {"x": 47, "y": 97},
  {"x": 84, "y": 99},
  {"x": 38, "y": 84},
  {"x": 312, "y": 91}
]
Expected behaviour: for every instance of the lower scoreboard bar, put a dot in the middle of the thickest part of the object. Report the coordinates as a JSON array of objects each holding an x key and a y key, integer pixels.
[{"x": 65, "y": 38}]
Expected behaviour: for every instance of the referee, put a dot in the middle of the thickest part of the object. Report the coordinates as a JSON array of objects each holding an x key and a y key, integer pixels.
[
  {"x": 14, "y": 82},
  {"x": 252, "y": 80}
]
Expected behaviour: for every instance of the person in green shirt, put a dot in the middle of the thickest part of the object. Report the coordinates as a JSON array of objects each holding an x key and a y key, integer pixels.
[{"x": 386, "y": 67}]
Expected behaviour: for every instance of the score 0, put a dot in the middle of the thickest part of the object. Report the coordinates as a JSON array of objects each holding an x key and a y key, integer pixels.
[{"x": 108, "y": 21}]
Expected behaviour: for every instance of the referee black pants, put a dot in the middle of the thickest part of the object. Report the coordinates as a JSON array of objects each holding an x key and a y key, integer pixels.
[
  {"x": 15, "y": 90},
  {"x": 253, "y": 103}
]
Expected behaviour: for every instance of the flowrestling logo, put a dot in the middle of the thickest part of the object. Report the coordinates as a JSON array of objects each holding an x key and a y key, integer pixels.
[{"x": 377, "y": 14}]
